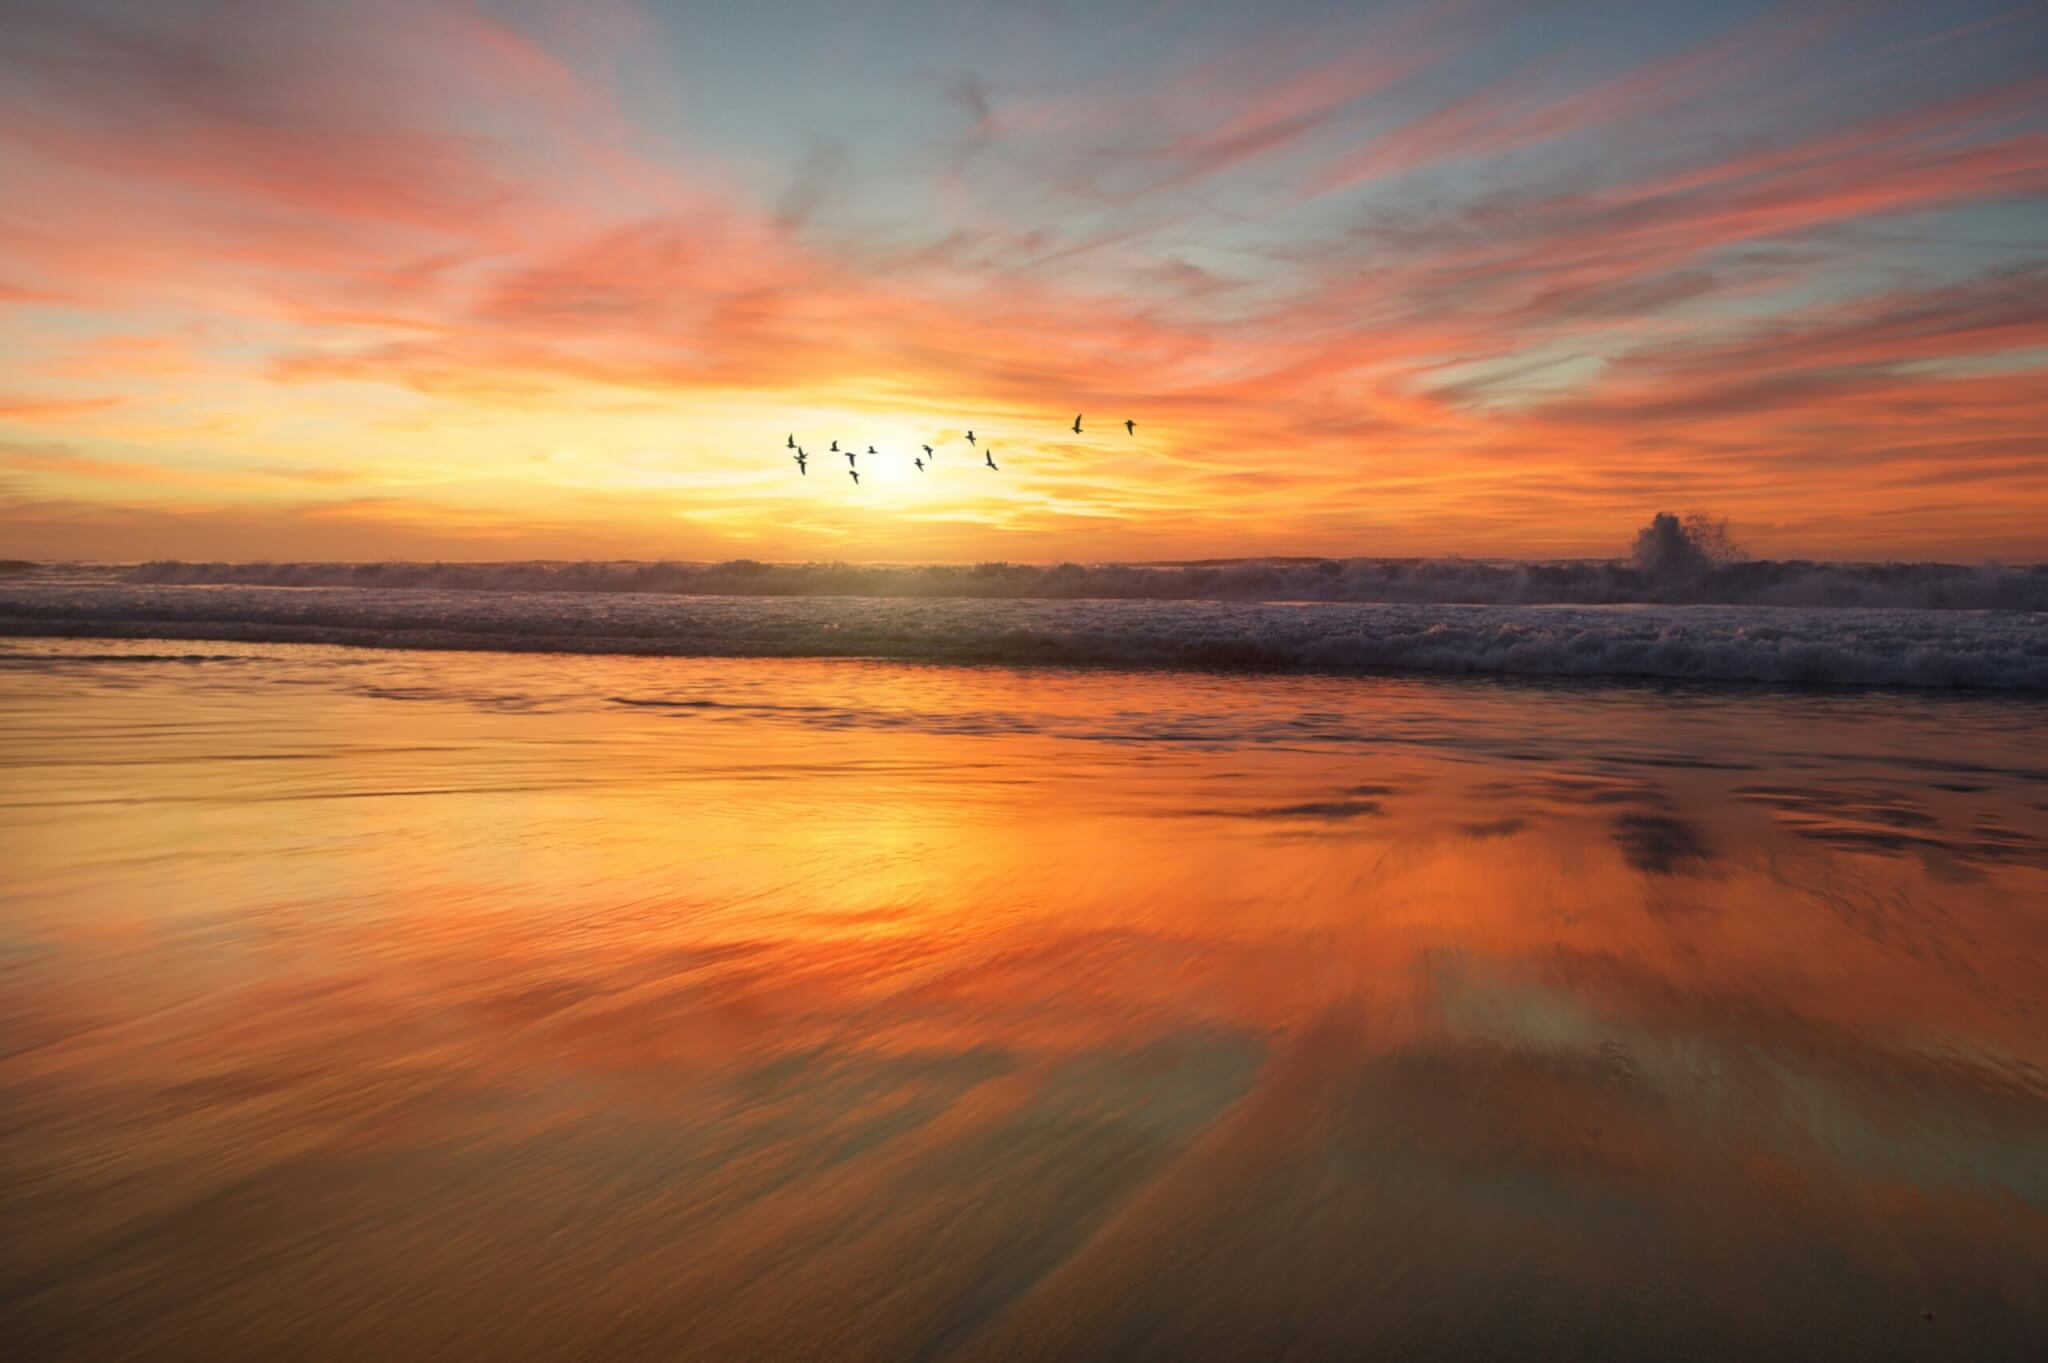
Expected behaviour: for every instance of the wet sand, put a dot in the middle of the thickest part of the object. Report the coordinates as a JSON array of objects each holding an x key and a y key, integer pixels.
[{"x": 357, "y": 1004}]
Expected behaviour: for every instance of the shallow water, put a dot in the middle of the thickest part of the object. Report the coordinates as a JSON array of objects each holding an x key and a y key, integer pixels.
[{"x": 357, "y": 1003}]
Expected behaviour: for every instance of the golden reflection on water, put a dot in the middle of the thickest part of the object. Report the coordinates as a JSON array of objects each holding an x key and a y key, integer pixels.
[{"x": 435, "y": 1006}]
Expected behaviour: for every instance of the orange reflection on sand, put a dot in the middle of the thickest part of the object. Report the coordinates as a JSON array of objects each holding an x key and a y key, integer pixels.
[{"x": 839, "y": 1010}]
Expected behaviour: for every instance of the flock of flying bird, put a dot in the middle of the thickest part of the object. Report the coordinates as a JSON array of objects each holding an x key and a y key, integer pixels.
[{"x": 803, "y": 458}]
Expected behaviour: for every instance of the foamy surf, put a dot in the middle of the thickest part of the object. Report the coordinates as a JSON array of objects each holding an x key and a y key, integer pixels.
[
  {"x": 1667, "y": 579},
  {"x": 1807, "y": 646}
]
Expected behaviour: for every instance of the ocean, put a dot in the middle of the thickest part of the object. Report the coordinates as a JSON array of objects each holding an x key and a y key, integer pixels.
[
  {"x": 539, "y": 960},
  {"x": 1915, "y": 625}
]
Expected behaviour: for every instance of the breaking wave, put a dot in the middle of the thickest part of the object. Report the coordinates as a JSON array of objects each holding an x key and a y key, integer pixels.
[
  {"x": 1804, "y": 645},
  {"x": 1764, "y": 582}
]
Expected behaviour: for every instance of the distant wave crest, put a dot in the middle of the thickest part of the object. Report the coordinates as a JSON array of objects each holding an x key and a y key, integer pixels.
[
  {"x": 2005, "y": 650},
  {"x": 1763, "y": 582}
]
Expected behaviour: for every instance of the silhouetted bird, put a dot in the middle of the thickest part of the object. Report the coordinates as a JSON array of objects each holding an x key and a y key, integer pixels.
[
  {"x": 1077, "y": 423},
  {"x": 802, "y": 464},
  {"x": 970, "y": 437},
  {"x": 990, "y": 456},
  {"x": 792, "y": 440},
  {"x": 1130, "y": 427},
  {"x": 835, "y": 447},
  {"x": 855, "y": 476},
  {"x": 927, "y": 451},
  {"x": 919, "y": 463},
  {"x": 871, "y": 449}
]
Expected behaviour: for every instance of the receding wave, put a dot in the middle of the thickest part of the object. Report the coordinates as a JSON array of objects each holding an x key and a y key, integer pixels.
[
  {"x": 1762, "y": 582},
  {"x": 2005, "y": 650}
]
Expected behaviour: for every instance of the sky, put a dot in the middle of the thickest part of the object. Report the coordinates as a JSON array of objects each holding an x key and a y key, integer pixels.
[{"x": 478, "y": 280}]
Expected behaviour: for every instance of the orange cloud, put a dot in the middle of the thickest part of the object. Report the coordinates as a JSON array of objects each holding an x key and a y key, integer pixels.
[{"x": 31, "y": 411}]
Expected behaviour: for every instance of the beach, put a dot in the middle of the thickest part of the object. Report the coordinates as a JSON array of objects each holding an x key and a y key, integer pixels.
[
  {"x": 412, "y": 1002},
  {"x": 933, "y": 683}
]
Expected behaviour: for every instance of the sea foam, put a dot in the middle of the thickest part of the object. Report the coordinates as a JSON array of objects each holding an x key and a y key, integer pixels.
[
  {"x": 1800, "y": 645},
  {"x": 1761, "y": 582}
]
